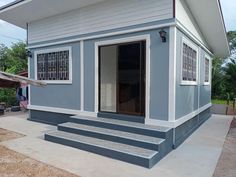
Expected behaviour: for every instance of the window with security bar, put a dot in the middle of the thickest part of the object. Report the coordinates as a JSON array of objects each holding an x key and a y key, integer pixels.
[
  {"x": 53, "y": 66},
  {"x": 207, "y": 70},
  {"x": 189, "y": 64}
]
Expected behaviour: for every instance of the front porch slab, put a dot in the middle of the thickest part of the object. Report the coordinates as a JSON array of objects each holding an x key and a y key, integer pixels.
[{"x": 197, "y": 156}]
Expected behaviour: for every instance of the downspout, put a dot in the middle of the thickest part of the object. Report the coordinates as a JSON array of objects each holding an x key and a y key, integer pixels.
[{"x": 174, "y": 9}]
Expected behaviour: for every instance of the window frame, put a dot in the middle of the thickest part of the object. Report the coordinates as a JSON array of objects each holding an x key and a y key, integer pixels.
[
  {"x": 189, "y": 43},
  {"x": 207, "y": 57},
  {"x": 69, "y": 48}
]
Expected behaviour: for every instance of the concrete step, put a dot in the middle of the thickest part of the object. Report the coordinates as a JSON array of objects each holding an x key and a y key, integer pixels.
[
  {"x": 132, "y": 127},
  {"x": 133, "y": 139},
  {"x": 130, "y": 118},
  {"x": 135, "y": 155}
]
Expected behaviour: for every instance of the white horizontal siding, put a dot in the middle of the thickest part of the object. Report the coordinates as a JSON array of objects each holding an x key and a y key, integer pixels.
[
  {"x": 184, "y": 16},
  {"x": 98, "y": 17}
]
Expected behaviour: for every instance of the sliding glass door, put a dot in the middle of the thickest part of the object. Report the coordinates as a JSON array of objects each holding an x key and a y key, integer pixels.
[{"x": 122, "y": 78}]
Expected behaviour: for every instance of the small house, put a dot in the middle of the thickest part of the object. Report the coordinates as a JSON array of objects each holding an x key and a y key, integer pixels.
[{"x": 127, "y": 79}]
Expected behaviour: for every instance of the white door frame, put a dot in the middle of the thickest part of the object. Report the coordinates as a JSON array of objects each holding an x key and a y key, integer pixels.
[{"x": 118, "y": 41}]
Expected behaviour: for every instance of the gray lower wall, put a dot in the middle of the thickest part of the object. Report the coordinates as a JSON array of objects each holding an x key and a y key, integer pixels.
[
  {"x": 182, "y": 132},
  {"x": 190, "y": 97},
  {"x": 48, "y": 117}
]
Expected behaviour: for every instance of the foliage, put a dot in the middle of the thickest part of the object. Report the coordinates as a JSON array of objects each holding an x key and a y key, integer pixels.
[
  {"x": 215, "y": 101},
  {"x": 230, "y": 77},
  {"x": 3, "y": 57},
  {"x": 12, "y": 60},
  {"x": 218, "y": 82},
  {"x": 224, "y": 72}
]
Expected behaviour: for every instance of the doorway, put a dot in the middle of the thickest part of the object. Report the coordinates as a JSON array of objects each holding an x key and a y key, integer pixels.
[{"x": 122, "y": 78}]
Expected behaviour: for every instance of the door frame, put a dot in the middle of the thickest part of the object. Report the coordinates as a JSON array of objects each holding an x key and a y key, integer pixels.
[{"x": 145, "y": 38}]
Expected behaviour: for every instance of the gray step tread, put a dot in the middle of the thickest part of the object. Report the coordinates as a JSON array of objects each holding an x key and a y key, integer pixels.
[
  {"x": 124, "y": 123},
  {"x": 116, "y": 133},
  {"x": 119, "y": 147}
]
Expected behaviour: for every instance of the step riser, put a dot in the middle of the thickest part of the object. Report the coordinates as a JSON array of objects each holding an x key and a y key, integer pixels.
[
  {"x": 122, "y": 117},
  {"x": 148, "y": 163},
  {"x": 110, "y": 138},
  {"x": 140, "y": 131}
]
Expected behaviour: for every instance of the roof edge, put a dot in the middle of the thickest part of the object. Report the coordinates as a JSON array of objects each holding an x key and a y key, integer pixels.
[
  {"x": 10, "y": 4},
  {"x": 223, "y": 21}
]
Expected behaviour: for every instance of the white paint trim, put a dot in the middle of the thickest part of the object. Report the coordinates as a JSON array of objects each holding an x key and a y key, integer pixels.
[
  {"x": 104, "y": 35},
  {"x": 82, "y": 75},
  {"x": 54, "y": 50},
  {"x": 207, "y": 57},
  {"x": 196, "y": 48},
  {"x": 29, "y": 75},
  {"x": 125, "y": 40},
  {"x": 61, "y": 110},
  {"x": 179, "y": 121},
  {"x": 96, "y": 72},
  {"x": 172, "y": 73}
]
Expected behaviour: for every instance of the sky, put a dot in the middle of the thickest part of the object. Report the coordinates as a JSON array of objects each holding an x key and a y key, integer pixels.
[{"x": 10, "y": 33}]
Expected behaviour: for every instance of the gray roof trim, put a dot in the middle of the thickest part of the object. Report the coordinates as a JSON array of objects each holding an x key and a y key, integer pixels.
[{"x": 10, "y": 4}]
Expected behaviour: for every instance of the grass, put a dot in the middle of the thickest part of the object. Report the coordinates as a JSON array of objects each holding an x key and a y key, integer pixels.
[
  {"x": 216, "y": 101},
  {"x": 224, "y": 102}
]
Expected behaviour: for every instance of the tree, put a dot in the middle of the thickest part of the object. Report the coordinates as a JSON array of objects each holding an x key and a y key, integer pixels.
[
  {"x": 12, "y": 60},
  {"x": 218, "y": 80},
  {"x": 224, "y": 72},
  {"x": 17, "y": 58},
  {"x": 3, "y": 57},
  {"x": 230, "y": 77}
]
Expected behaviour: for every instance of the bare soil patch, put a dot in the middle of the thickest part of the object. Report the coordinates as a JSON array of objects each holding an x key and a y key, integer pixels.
[
  {"x": 226, "y": 166},
  {"x": 8, "y": 135},
  {"x": 13, "y": 164}
]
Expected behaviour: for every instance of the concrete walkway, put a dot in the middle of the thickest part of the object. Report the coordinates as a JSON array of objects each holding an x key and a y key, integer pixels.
[{"x": 196, "y": 157}]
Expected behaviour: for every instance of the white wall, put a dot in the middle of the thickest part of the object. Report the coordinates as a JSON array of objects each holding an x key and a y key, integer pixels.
[
  {"x": 98, "y": 17},
  {"x": 108, "y": 78},
  {"x": 185, "y": 17}
]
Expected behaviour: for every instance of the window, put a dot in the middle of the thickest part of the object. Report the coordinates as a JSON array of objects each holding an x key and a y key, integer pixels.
[
  {"x": 207, "y": 71},
  {"x": 54, "y": 65},
  {"x": 189, "y": 63}
]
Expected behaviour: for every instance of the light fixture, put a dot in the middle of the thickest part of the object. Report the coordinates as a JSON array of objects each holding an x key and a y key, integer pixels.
[
  {"x": 162, "y": 35},
  {"x": 29, "y": 53}
]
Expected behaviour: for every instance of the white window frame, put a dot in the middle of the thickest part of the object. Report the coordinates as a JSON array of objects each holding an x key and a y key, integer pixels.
[
  {"x": 209, "y": 68},
  {"x": 49, "y": 51},
  {"x": 196, "y": 48}
]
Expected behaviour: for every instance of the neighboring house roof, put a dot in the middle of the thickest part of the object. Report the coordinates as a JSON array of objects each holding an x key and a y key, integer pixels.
[
  {"x": 207, "y": 14},
  {"x": 10, "y": 80}
]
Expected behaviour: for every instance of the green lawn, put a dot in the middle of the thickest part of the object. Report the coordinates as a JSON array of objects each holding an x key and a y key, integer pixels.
[{"x": 215, "y": 101}]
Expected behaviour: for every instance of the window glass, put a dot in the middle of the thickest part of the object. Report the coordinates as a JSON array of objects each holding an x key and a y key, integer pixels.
[
  {"x": 53, "y": 65},
  {"x": 207, "y": 74},
  {"x": 189, "y": 66}
]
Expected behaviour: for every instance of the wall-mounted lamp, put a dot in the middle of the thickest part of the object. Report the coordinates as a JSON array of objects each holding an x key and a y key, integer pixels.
[
  {"x": 29, "y": 53},
  {"x": 162, "y": 35}
]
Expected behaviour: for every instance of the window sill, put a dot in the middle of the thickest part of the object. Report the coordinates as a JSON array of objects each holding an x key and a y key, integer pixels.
[
  {"x": 206, "y": 84},
  {"x": 186, "y": 83},
  {"x": 57, "y": 82}
]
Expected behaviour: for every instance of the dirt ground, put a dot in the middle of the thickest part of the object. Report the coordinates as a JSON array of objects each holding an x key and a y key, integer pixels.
[
  {"x": 13, "y": 164},
  {"x": 226, "y": 166}
]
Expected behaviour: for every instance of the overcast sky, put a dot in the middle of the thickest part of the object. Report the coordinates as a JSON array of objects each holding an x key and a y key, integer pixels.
[{"x": 10, "y": 33}]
